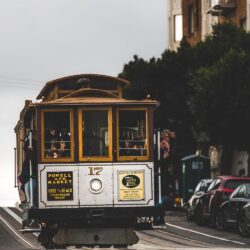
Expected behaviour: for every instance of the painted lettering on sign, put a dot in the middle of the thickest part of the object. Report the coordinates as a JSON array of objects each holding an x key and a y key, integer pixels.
[
  {"x": 95, "y": 170},
  {"x": 131, "y": 181},
  {"x": 59, "y": 186}
]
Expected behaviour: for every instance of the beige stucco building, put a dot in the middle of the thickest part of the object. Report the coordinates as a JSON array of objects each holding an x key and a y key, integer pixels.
[{"x": 199, "y": 16}]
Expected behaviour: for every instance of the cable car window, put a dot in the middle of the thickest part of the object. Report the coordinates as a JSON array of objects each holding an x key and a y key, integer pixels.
[
  {"x": 95, "y": 134},
  {"x": 132, "y": 135},
  {"x": 57, "y": 135}
]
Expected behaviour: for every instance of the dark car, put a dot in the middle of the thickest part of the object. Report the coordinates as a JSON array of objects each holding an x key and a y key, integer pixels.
[
  {"x": 200, "y": 189},
  {"x": 234, "y": 213},
  {"x": 218, "y": 192}
]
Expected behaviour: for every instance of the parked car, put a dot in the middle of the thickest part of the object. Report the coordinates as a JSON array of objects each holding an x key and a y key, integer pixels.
[
  {"x": 234, "y": 213},
  {"x": 218, "y": 192},
  {"x": 200, "y": 189}
]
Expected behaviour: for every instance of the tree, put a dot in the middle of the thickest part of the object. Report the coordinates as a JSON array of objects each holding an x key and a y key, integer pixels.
[
  {"x": 205, "y": 88},
  {"x": 221, "y": 99}
]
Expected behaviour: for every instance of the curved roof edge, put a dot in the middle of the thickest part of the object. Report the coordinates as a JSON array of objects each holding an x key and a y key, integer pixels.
[
  {"x": 93, "y": 91},
  {"x": 52, "y": 83}
]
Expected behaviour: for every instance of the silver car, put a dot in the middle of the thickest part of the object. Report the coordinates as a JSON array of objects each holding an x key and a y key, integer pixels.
[{"x": 200, "y": 189}]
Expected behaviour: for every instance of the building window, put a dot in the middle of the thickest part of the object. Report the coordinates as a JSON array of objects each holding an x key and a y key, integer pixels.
[
  {"x": 178, "y": 28},
  {"x": 248, "y": 17},
  {"x": 190, "y": 19},
  {"x": 208, "y": 5},
  {"x": 243, "y": 23},
  {"x": 95, "y": 132},
  {"x": 132, "y": 134},
  {"x": 57, "y": 131},
  {"x": 197, "y": 11}
]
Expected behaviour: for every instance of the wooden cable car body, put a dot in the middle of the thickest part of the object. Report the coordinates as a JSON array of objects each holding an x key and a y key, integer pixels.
[{"x": 92, "y": 164}]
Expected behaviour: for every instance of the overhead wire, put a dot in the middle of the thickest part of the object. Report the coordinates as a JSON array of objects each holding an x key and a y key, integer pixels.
[
  {"x": 15, "y": 78},
  {"x": 12, "y": 82},
  {"x": 20, "y": 85}
]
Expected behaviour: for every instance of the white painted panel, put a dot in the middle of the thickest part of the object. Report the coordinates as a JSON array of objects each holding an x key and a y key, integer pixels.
[
  {"x": 107, "y": 173},
  {"x": 44, "y": 170},
  {"x": 101, "y": 172}
]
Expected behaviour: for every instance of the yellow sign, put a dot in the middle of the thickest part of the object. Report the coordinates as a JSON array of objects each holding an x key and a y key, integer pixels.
[{"x": 131, "y": 185}]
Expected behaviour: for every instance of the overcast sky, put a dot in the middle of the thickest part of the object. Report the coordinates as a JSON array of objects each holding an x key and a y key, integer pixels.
[{"x": 41, "y": 40}]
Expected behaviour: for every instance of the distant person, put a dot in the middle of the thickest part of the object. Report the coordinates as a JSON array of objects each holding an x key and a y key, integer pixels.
[
  {"x": 25, "y": 172},
  {"x": 21, "y": 192},
  {"x": 64, "y": 144},
  {"x": 165, "y": 148},
  {"x": 29, "y": 157},
  {"x": 26, "y": 178},
  {"x": 53, "y": 140}
]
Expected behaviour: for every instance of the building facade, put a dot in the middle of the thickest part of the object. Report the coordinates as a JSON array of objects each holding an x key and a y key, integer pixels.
[
  {"x": 199, "y": 16},
  {"x": 248, "y": 15}
]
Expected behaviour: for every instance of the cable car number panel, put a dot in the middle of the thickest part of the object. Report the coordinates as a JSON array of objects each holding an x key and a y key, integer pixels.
[{"x": 95, "y": 185}]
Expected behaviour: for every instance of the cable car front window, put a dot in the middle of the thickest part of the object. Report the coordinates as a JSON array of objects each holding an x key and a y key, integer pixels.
[
  {"x": 132, "y": 133},
  {"x": 57, "y": 135},
  {"x": 95, "y": 133}
]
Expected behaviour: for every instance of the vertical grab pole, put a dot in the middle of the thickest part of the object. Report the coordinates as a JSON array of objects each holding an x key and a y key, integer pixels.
[
  {"x": 15, "y": 164},
  {"x": 31, "y": 174},
  {"x": 159, "y": 165}
]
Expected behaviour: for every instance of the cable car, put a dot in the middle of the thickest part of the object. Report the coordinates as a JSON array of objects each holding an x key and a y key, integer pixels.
[{"x": 89, "y": 155}]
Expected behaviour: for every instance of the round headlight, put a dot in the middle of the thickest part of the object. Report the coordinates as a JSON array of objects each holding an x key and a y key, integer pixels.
[{"x": 96, "y": 185}]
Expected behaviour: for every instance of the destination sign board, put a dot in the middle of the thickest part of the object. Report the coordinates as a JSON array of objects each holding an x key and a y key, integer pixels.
[{"x": 60, "y": 186}]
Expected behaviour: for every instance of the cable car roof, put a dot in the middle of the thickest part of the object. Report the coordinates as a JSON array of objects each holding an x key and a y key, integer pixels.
[
  {"x": 89, "y": 96},
  {"x": 98, "y": 101},
  {"x": 73, "y": 80}
]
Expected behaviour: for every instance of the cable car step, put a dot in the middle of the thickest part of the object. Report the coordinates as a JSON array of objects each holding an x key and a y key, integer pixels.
[
  {"x": 30, "y": 230},
  {"x": 95, "y": 236}
]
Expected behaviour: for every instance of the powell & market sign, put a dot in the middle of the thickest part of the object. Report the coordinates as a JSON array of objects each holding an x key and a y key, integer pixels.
[{"x": 60, "y": 186}]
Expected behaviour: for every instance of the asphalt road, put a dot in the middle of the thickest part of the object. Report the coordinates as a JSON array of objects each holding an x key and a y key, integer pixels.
[
  {"x": 10, "y": 237},
  {"x": 7, "y": 241},
  {"x": 177, "y": 225},
  {"x": 178, "y": 233}
]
